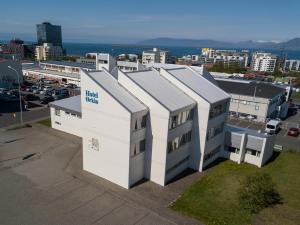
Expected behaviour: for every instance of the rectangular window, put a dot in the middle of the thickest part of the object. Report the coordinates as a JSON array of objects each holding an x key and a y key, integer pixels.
[
  {"x": 256, "y": 107},
  {"x": 179, "y": 141},
  {"x": 180, "y": 118},
  {"x": 212, "y": 153},
  {"x": 214, "y": 131},
  {"x": 58, "y": 123},
  {"x": 142, "y": 145},
  {"x": 57, "y": 112},
  {"x": 144, "y": 121},
  {"x": 217, "y": 110}
]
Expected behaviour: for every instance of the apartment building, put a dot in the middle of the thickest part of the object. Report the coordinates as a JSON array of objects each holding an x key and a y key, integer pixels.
[
  {"x": 155, "y": 56},
  {"x": 263, "y": 62},
  {"x": 47, "y": 51},
  {"x": 228, "y": 57},
  {"x": 292, "y": 65},
  {"x": 255, "y": 101},
  {"x": 153, "y": 125}
]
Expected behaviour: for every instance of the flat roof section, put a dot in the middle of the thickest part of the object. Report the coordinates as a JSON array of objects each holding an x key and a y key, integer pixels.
[
  {"x": 261, "y": 90},
  {"x": 72, "y": 104},
  {"x": 161, "y": 89},
  {"x": 71, "y": 64},
  {"x": 117, "y": 91},
  {"x": 52, "y": 72},
  {"x": 199, "y": 84}
]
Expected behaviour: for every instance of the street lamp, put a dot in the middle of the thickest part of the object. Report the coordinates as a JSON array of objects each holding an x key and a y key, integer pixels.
[{"x": 18, "y": 75}]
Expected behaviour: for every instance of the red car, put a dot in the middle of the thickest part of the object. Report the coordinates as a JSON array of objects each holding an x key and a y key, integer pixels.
[{"x": 293, "y": 132}]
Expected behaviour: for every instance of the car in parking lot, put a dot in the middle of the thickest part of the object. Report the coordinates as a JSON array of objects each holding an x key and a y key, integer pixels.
[
  {"x": 47, "y": 99},
  {"x": 294, "y": 132},
  {"x": 31, "y": 97}
]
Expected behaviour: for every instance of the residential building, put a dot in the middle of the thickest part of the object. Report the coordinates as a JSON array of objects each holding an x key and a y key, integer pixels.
[
  {"x": 48, "y": 33},
  {"x": 255, "y": 100},
  {"x": 228, "y": 57},
  {"x": 8, "y": 77},
  {"x": 48, "y": 51},
  {"x": 263, "y": 62},
  {"x": 153, "y": 125},
  {"x": 292, "y": 65},
  {"x": 155, "y": 56}
]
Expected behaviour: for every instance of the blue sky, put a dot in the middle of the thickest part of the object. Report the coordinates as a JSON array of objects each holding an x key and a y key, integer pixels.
[{"x": 128, "y": 21}]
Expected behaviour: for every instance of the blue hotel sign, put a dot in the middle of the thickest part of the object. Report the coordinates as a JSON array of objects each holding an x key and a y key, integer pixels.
[{"x": 91, "y": 97}]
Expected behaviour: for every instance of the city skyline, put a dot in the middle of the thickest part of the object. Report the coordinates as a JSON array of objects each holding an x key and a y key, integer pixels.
[{"x": 119, "y": 22}]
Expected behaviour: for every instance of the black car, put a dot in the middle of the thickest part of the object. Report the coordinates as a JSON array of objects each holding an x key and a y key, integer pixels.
[
  {"x": 31, "y": 97},
  {"x": 47, "y": 99}
]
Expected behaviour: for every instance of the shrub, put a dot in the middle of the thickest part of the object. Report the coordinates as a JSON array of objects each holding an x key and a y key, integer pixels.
[{"x": 257, "y": 191}]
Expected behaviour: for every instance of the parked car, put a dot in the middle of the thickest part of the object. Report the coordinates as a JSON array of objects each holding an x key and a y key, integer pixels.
[
  {"x": 273, "y": 127},
  {"x": 31, "y": 97},
  {"x": 47, "y": 99},
  {"x": 293, "y": 131}
]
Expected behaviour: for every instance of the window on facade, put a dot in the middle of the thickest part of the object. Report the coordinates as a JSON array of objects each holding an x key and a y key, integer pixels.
[
  {"x": 214, "y": 131},
  {"x": 144, "y": 121},
  {"x": 136, "y": 125},
  {"x": 179, "y": 141},
  {"x": 232, "y": 149},
  {"x": 181, "y": 118},
  {"x": 142, "y": 145},
  {"x": 217, "y": 110},
  {"x": 212, "y": 153},
  {"x": 252, "y": 152},
  {"x": 256, "y": 107},
  {"x": 57, "y": 112},
  {"x": 67, "y": 113},
  {"x": 58, "y": 123}
]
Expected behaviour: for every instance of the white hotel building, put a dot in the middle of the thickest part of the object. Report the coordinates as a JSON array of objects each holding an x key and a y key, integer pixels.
[{"x": 154, "y": 125}]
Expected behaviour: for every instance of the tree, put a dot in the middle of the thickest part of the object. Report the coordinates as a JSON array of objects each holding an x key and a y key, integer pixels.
[{"x": 258, "y": 191}]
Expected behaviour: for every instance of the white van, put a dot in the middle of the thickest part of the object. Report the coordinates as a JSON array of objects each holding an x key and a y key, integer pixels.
[{"x": 273, "y": 127}]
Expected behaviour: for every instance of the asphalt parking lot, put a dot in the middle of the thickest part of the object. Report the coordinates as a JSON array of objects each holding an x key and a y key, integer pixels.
[
  {"x": 282, "y": 139},
  {"x": 41, "y": 182}
]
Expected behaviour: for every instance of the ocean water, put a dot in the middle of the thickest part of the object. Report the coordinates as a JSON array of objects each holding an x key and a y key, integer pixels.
[{"x": 81, "y": 49}]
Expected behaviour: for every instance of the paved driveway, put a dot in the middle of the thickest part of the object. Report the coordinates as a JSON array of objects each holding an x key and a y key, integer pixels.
[{"x": 41, "y": 182}]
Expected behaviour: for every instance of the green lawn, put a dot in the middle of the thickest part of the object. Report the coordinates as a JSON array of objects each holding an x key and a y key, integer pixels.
[
  {"x": 213, "y": 199},
  {"x": 296, "y": 96},
  {"x": 46, "y": 122}
]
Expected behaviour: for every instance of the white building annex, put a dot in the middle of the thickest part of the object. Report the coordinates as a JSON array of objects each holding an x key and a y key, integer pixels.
[{"x": 150, "y": 124}]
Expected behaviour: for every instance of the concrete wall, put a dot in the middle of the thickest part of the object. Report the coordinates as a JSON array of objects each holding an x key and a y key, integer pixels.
[
  {"x": 201, "y": 123},
  {"x": 69, "y": 123},
  {"x": 110, "y": 124},
  {"x": 157, "y": 132}
]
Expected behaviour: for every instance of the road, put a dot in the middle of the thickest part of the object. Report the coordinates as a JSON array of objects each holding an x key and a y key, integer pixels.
[{"x": 7, "y": 119}]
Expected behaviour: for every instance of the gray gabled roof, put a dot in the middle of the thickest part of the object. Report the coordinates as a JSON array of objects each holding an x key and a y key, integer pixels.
[
  {"x": 161, "y": 89},
  {"x": 261, "y": 90},
  {"x": 72, "y": 104},
  {"x": 117, "y": 91},
  {"x": 199, "y": 84}
]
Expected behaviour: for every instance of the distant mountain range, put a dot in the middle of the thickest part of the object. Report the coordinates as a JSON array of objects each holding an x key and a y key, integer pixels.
[{"x": 293, "y": 44}]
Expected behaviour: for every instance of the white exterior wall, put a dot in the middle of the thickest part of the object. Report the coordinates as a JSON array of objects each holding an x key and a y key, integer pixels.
[
  {"x": 68, "y": 123},
  {"x": 201, "y": 124},
  {"x": 157, "y": 132},
  {"x": 109, "y": 122}
]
